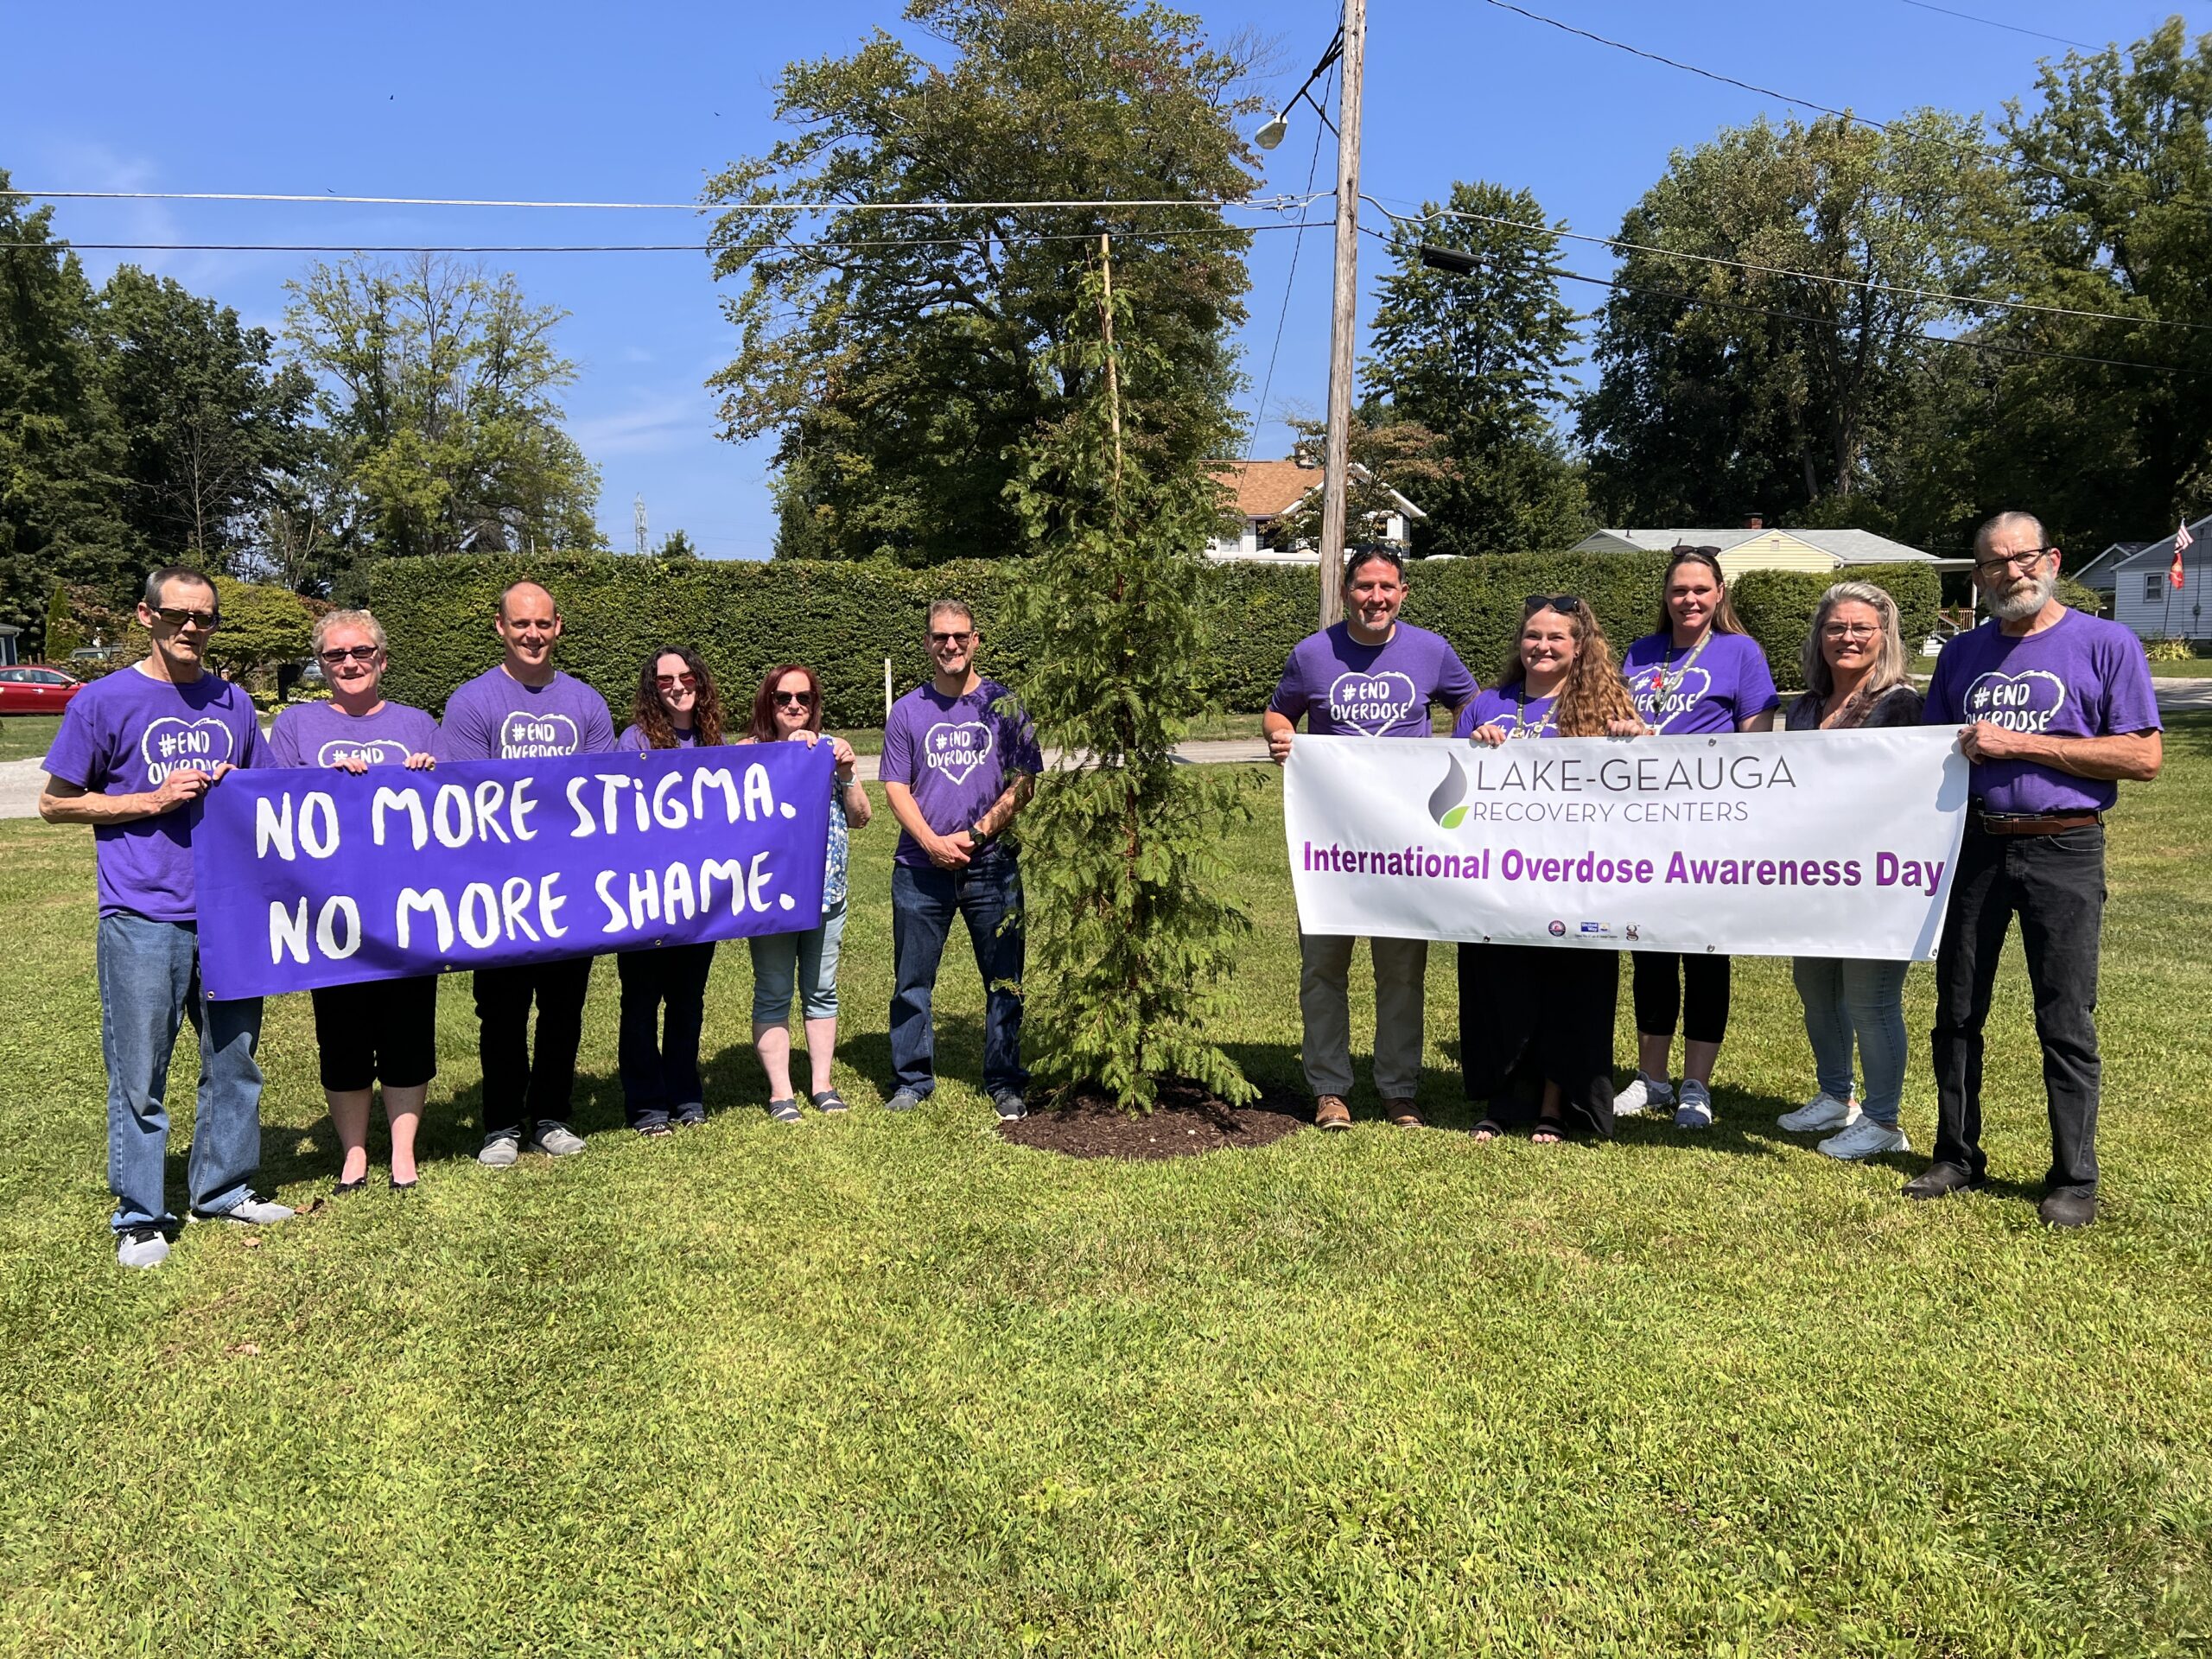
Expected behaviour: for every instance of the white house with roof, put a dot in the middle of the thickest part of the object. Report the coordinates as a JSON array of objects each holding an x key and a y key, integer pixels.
[
  {"x": 2101, "y": 574},
  {"x": 1755, "y": 546},
  {"x": 1263, "y": 492},
  {"x": 2143, "y": 597}
]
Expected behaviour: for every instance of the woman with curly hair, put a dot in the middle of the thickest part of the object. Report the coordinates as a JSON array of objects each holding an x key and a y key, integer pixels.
[
  {"x": 1536, "y": 1021},
  {"x": 676, "y": 706}
]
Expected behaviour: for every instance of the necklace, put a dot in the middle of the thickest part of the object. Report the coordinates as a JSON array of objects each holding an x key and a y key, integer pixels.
[{"x": 1521, "y": 727}]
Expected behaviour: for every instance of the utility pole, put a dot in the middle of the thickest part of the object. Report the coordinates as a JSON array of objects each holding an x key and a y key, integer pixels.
[{"x": 1336, "y": 478}]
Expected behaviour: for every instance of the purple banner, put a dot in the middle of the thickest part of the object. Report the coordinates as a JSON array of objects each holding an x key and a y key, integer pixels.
[{"x": 310, "y": 876}]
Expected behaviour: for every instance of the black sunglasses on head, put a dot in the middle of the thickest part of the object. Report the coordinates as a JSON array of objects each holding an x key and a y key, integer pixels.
[{"x": 1565, "y": 604}]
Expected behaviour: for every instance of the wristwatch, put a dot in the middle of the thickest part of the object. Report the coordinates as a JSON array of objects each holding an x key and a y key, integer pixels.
[{"x": 976, "y": 838}]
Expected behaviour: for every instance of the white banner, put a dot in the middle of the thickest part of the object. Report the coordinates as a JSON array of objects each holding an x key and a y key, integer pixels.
[{"x": 1824, "y": 844}]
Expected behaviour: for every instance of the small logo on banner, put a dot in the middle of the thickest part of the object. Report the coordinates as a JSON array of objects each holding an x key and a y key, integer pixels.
[
  {"x": 1559, "y": 929},
  {"x": 1445, "y": 804}
]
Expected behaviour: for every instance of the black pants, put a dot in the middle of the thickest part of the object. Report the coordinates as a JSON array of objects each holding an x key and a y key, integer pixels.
[
  {"x": 660, "y": 1071},
  {"x": 518, "y": 1089},
  {"x": 1691, "y": 988},
  {"x": 2055, "y": 885}
]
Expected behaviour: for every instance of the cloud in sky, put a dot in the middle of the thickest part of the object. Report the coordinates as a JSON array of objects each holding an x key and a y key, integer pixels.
[{"x": 655, "y": 424}]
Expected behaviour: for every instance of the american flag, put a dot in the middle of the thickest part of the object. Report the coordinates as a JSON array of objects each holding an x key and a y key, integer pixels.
[{"x": 2182, "y": 541}]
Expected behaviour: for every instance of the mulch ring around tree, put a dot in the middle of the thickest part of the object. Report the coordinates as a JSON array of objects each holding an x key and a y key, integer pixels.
[{"x": 1084, "y": 1123}]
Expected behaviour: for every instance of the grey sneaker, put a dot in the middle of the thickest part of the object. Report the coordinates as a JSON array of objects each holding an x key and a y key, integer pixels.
[
  {"x": 142, "y": 1247},
  {"x": 501, "y": 1148},
  {"x": 904, "y": 1101},
  {"x": 1010, "y": 1106},
  {"x": 555, "y": 1140},
  {"x": 249, "y": 1211},
  {"x": 1643, "y": 1094},
  {"x": 1695, "y": 1111}
]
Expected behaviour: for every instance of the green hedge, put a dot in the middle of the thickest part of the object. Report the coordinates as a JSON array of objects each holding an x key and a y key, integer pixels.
[{"x": 844, "y": 619}]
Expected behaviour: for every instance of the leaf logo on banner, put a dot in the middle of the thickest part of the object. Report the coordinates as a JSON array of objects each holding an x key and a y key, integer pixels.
[{"x": 1446, "y": 805}]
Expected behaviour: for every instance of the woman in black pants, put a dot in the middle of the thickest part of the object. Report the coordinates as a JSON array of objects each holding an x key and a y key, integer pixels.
[
  {"x": 1699, "y": 671},
  {"x": 676, "y": 706}
]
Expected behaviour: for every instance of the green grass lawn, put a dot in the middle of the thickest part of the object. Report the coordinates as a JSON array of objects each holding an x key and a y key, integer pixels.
[
  {"x": 890, "y": 1386},
  {"x": 28, "y": 737}
]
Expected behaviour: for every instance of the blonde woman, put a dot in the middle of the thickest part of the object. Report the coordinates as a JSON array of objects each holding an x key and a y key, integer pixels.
[{"x": 1855, "y": 669}]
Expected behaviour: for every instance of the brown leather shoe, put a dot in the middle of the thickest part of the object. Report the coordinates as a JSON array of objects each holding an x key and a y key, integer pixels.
[
  {"x": 1403, "y": 1113},
  {"x": 1330, "y": 1112}
]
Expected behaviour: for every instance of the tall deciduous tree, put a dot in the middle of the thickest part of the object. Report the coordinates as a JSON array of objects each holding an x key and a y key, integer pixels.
[
  {"x": 1132, "y": 935},
  {"x": 1769, "y": 381},
  {"x": 60, "y": 457},
  {"x": 1481, "y": 359},
  {"x": 2114, "y": 166},
  {"x": 438, "y": 384},
  {"x": 902, "y": 361},
  {"x": 210, "y": 425}
]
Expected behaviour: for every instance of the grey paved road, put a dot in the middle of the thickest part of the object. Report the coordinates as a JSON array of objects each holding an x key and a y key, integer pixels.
[{"x": 19, "y": 779}]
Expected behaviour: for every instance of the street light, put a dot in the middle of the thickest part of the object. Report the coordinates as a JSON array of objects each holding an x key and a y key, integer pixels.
[{"x": 1349, "y": 47}]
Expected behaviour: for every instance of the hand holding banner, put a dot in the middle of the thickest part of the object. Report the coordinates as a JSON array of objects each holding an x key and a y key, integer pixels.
[
  {"x": 312, "y": 877},
  {"x": 1829, "y": 844}
]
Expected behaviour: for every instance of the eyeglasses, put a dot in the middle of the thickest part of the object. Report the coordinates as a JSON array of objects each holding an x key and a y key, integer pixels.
[
  {"x": 1565, "y": 604},
  {"x": 338, "y": 654},
  {"x": 794, "y": 699},
  {"x": 1850, "y": 630},
  {"x": 2024, "y": 559},
  {"x": 178, "y": 617},
  {"x": 669, "y": 682},
  {"x": 952, "y": 638}
]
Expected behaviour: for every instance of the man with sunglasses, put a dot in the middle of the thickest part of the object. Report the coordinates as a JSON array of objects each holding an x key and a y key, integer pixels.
[
  {"x": 2054, "y": 707},
  {"x": 526, "y": 709},
  {"x": 135, "y": 752},
  {"x": 959, "y": 760},
  {"x": 1369, "y": 675}
]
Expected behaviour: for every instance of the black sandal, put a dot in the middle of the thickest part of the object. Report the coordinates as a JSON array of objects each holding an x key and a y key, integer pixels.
[
  {"x": 340, "y": 1189},
  {"x": 1489, "y": 1129},
  {"x": 829, "y": 1101},
  {"x": 1548, "y": 1132}
]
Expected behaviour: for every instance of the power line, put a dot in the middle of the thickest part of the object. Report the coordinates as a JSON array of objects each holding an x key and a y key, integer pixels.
[
  {"x": 1258, "y": 205},
  {"x": 602, "y": 247},
  {"x": 1981, "y": 151},
  {"x": 1783, "y": 271},
  {"x": 1992, "y": 22},
  {"x": 1266, "y": 385}
]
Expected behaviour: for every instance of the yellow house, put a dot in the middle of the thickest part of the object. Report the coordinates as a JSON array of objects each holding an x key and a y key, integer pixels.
[{"x": 1755, "y": 546}]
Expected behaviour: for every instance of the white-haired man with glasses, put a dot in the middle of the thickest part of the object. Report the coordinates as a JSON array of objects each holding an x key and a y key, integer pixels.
[
  {"x": 2055, "y": 708},
  {"x": 135, "y": 752}
]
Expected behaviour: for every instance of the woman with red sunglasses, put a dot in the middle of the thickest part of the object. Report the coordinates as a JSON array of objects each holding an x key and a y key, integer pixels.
[{"x": 676, "y": 706}]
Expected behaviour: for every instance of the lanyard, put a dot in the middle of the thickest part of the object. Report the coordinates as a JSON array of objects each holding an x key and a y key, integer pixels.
[
  {"x": 1520, "y": 713},
  {"x": 1666, "y": 684}
]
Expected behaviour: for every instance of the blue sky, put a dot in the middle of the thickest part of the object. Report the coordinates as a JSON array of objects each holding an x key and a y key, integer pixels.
[{"x": 568, "y": 101}]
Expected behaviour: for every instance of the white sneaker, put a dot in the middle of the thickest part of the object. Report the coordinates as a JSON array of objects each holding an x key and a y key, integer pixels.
[
  {"x": 557, "y": 1140},
  {"x": 1642, "y": 1096},
  {"x": 1866, "y": 1138},
  {"x": 1696, "y": 1110},
  {"x": 1823, "y": 1111},
  {"x": 142, "y": 1246},
  {"x": 249, "y": 1211}
]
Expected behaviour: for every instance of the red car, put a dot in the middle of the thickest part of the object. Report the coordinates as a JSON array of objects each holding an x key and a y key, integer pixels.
[{"x": 34, "y": 690}]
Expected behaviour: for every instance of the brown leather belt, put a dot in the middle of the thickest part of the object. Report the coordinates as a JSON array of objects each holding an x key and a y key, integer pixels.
[{"x": 2030, "y": 823}]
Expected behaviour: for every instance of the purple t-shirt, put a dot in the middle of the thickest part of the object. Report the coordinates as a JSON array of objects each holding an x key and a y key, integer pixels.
[
  {"x": 125, "y": 733},
  {"x": 497, "y": 717},
  {"x": 1344, "y": 689},
  {"x": 1533, "y": 719},
  {"x": 322, "y": 733},
  {"x": 957, "y": 755},
  {"x": 2082, "y": 676},
  {"x": 1712, "y": 687},
  {"x": 633, "y": 741}
]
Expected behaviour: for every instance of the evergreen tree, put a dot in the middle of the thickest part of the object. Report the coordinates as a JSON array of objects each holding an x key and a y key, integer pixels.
[{"x": 1131, "y": 939}]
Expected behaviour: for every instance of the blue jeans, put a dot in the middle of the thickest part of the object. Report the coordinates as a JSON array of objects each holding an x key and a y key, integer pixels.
[
  {"x": 149, "y": 985},
  {"x": 1844, "y": 997},
  {"x": 987, "y": 895},
  {"x": 806, "y": 962}
]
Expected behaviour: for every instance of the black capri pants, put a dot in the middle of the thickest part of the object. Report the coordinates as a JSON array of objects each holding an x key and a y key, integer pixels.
[
  {"x": 378, "y": 1028},
  {"x": 1691, "y": 987}
]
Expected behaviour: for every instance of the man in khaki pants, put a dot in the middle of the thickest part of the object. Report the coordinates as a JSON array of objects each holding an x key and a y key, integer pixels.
[{"x": 1369, "y": 676}]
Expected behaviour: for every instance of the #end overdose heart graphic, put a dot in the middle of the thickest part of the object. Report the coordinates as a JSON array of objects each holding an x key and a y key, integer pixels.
[
  {"x": 955, "y": 748},
  {"x": 1371, "y": 702},
  {"x": 170, "y": 745},
  {"x": 525, "y": 736}
]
